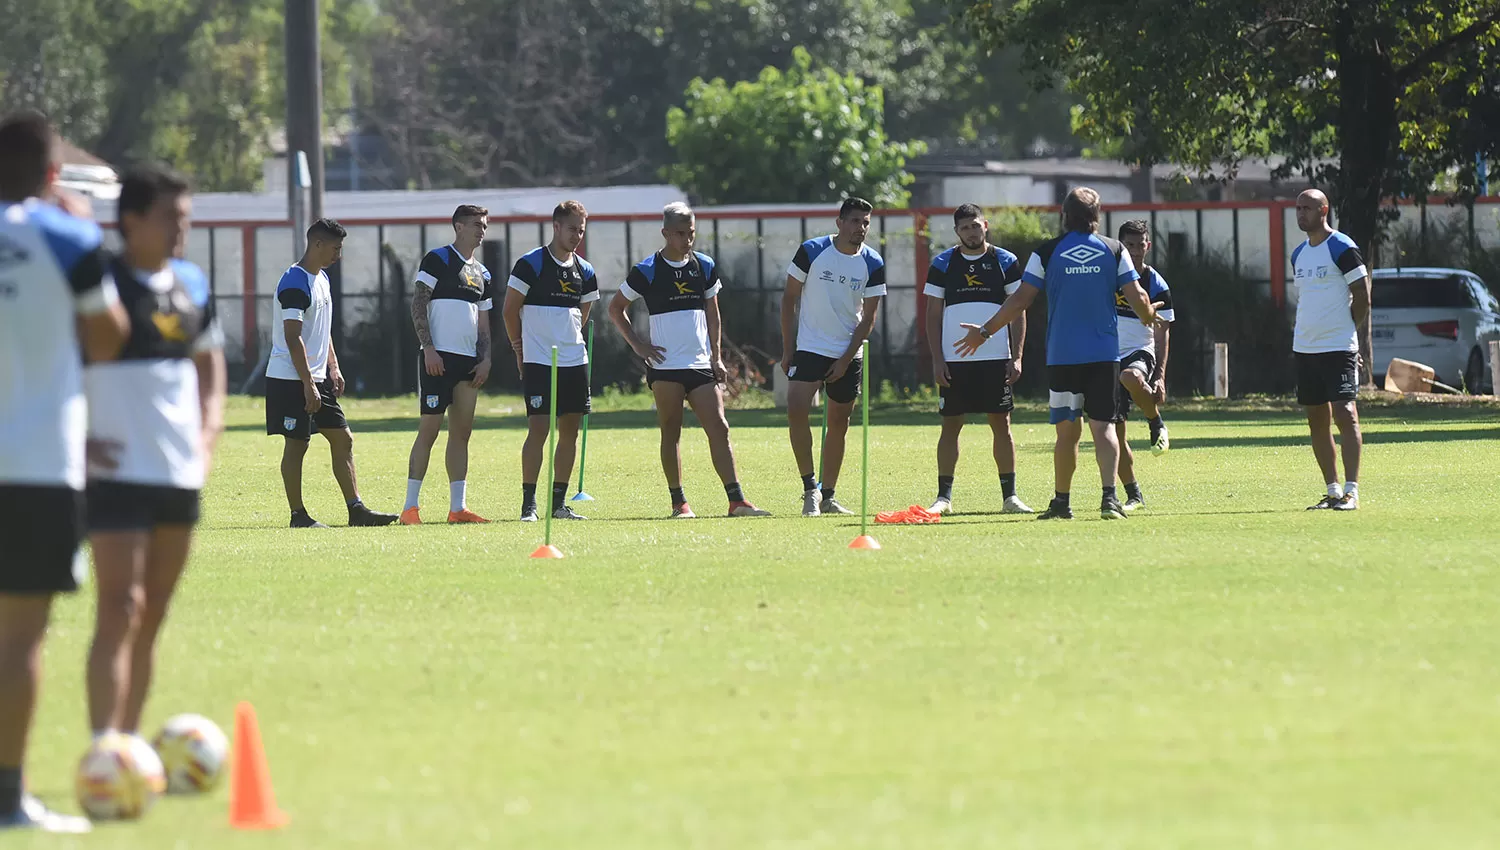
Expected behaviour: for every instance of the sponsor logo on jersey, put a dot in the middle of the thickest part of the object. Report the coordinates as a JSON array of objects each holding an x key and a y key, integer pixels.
[{"x": 1082, "y": 256}]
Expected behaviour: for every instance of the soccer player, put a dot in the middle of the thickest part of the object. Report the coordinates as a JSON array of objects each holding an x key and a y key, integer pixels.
[
  {"x": 833, "y": 290},
  {"x": 547, "y": 302},
  {"x": 968, "y": 283},
  {"x": 1081, "y": 273},
  {"x": 155, "y": 414},
  {"x": 303, "y": 382},
  {"x": 683, "y": 359},
  {"x": 54, "y": 295},
  {"x": 451, "y": 312},
  {"x": 1333, "y": 300},
  {"x": 1143, "y": 359}
]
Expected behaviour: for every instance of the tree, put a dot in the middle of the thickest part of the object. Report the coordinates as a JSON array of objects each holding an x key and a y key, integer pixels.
[
  {"x": 1370, "y": 97},
  {"x": 802, "y": 135}
]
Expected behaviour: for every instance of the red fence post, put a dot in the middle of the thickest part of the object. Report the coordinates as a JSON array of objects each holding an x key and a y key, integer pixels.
[
  {"x": 248, "y": 323},
  {"x": 1276, "y": 238},
  {"x": 922, "y": 250}
]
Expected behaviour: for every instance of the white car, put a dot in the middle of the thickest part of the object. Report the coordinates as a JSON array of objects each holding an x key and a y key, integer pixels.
[{"x": 1444, "y": 318}]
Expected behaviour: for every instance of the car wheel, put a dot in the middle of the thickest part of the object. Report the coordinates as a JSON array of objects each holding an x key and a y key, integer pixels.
[{"x": 1477, "y": 378}]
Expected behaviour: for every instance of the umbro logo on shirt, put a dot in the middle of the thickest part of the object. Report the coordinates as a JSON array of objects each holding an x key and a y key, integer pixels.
[{"x": 1081, "y": 256}]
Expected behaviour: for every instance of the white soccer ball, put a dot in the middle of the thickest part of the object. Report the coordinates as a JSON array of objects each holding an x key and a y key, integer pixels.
[
  {"x": 193, "y": 750},
  {"x": 119, "y": 778}
]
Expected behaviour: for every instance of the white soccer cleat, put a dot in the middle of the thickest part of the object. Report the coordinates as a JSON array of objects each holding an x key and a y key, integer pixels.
[
  {"x": 1350, "y": 502},
  {"x": 34, "y": 815},
  {"x": 683, "y": 511},
  {"x": 941, "y": 506},
  {"x": 1014, "y": 505},
  {"x": 812, "y": 503},
  {"x": 831, "y": 506},
  {"x": 1162, "y": 442}
]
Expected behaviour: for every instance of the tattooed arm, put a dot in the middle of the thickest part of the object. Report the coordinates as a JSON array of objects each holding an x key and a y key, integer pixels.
[{"x": 420, "y": 300}]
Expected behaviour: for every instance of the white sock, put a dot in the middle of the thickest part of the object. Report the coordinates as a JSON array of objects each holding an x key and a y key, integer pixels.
[
  {"x": 458, "y": 495},
  {"x": 1334, "y": 492},
  {"x": 413, "y": 492},
  {"x": 1351, "y": 489}
]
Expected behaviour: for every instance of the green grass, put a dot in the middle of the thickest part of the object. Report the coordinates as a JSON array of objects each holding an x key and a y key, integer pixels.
[{"x": 1227, "y": 671}]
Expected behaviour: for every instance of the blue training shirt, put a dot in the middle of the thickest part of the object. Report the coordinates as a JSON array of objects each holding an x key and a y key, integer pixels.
[{"x": 1080, "y": 273}]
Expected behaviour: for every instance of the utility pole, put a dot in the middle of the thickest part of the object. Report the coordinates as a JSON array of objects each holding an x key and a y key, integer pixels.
[{"x": 304, "y": 102}]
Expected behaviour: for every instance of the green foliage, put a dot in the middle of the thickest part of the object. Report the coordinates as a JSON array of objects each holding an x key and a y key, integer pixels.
[
  {"x": 1372, "y": 98},
  {"x": 800, "y": 135}
]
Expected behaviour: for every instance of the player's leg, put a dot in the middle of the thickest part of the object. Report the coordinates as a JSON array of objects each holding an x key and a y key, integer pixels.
[
  {"x": 947, "y": 461},
  {"x": 23, "y": 625},
  {"x": 341, "y": 449},
  {"x": 1107, "y": 454},
  {"x": 669, "y": 398},
  {"x": 460, "y": 433},
  {"x": 166, "y": 557},
  {"x": 533, "y": 454},
  {"x": 1133, "y": 497},
  {"x": 429, "y": 426},
  {"x": 1135, "y": 379},
  {"x": 568, "y": 426},
  {"x": 120, "y": 557},
  {"x": 1064, "y": 463},
  {"x": 799, "y": 398},
  {"x": 842, "y": 394},
  {"x": 1003, "y": 447},
  {"x": 1351, "y": 444},
  {"x": 293, "y": 450},
  {"x": 707, "y": 401},
  {"x": 1320, "y": 428}
]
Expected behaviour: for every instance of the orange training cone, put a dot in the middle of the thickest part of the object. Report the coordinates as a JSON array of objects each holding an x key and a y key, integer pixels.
[
  {"x": 547, "y": 551},
  {"x": 864, "y": 541},
  {"x": 252, "y": 803}
]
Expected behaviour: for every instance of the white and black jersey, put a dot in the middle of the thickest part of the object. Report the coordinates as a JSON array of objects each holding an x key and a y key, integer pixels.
[
  {"x": 834, "y": 288},
  {"x": 461, "y": 290},
  {"x": 676, "y": 294},
  {"x": 1323, "y": 274},
  {"x": 305, "y": 297},
  {"x": 972, "y": 288},
  {"x": 52, "y": 269},
  {"x": 553, "y": 311},
  {"x": 146, "y": 400},
  {"x": 1134, "y": 335}
]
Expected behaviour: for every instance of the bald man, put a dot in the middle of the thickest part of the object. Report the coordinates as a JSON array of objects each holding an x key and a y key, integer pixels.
[{"x": 1333, "y": 303}]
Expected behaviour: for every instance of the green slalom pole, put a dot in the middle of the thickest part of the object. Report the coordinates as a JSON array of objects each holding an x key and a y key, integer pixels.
[
  {"x": 551, "y": 445},
  {"x": 583, "y": 452},
  {"x": 823, "y": 437},
  {"x": 864, "y": 427}
]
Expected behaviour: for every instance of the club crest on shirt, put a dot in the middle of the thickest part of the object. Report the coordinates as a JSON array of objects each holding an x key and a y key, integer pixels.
[
  {"x": 289, "y": 423},
  {"x": 432, "y": 401}
]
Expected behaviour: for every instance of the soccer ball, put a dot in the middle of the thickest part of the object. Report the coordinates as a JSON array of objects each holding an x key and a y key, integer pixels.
[
  {"x": 192, "y": 750},
  {"x": 119, "y": 778}
]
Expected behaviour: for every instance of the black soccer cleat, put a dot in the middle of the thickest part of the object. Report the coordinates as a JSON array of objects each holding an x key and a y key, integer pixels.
[
  {"x": 1325, "y": 504},
  {"x": 1134, "y": 503},
  {"x": 1110, "y": 508},
  {"x": 528, "y": 513},
  {"x": 300, "y": 519},
  {"x": 1056, "y": 510},
  {"x": 362, "y": 517}
]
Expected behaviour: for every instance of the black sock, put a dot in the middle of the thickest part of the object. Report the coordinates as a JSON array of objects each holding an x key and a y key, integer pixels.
[
  {"x": 355, "y": 503},
  {"x": 1007, "y": 484},
  {"x": 827, "y": 494},
  {"x": 10, "y": 790},
  {"x": 299, "y": 511},
  {"x": 678, "y": 497},
  {"x": 1109, "y": 494},
  {"x": 808, "y": 483},
  {"x": 945, "y": 487},
  {"x": 559, "y": 495},
  {"x": 1155, "y": 423},
  {"x": 733, "y": 491},
  {"x": 1061, "y": 499},
  {"x": 528, "y": 496},
  {"x": 1133, "y": 490}
]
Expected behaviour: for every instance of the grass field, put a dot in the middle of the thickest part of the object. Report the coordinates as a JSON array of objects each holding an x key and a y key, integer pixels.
[{"x": 1226, "y": 671}]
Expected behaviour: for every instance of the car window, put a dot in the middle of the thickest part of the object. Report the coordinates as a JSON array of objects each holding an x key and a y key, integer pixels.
[{"x": 1396, "y": 292}]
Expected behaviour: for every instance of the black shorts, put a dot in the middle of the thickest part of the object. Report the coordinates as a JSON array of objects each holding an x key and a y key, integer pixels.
[
  {"x": 1144, "y": 364},
  {"x": 691, "y": 379},
  {"x": 976, "y": 386},
  {"x": 40, "y": 532},
  {"x": 122, "y": 506},
  {"x": 1328, "y": 377},
  {"x": 811, "y": 368},
  {"x": 435, "y": 392},
  {"x": 286, "y": 413},
  {"x": 1087, "y": 388},
  {"x": 572, "y": 389}
]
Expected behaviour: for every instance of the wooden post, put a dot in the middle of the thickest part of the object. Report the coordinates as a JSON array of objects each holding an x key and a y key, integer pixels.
[
  {"x": 1495, "y": 367},
  {"x": 1221, "y": 370}
]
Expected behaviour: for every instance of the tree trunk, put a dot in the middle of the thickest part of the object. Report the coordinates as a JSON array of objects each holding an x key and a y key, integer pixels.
[{"x": 1367, "y": 134}]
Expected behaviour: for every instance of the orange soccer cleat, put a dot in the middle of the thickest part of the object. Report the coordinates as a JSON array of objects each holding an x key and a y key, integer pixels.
[{"x": 465, "y": 516}]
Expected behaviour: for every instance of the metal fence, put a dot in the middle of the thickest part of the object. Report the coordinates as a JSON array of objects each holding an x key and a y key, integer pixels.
[{"x": 372, "y": 286}]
